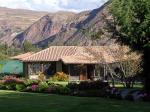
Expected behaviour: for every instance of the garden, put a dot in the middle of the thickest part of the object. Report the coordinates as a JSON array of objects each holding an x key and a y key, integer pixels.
[{"x": 59, "y": 84}]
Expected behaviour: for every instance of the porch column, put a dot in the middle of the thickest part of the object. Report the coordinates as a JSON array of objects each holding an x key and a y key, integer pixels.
[
  {"x": 25, "y": 70},
  {"x": 104, "y": 72},
  {"x": 59, "y": 66},
  {"x": 69, "y": 71},
  {"x": 42, "y": 68}
]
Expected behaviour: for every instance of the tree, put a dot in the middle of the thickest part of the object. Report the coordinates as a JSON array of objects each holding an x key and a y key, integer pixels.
[
  {"x": 27, "y": 47},
  {"x": 132, "y": 27}
]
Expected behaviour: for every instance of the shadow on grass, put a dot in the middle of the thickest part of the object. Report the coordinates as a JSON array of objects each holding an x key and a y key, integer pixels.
[{"x": 34, "y": 102}]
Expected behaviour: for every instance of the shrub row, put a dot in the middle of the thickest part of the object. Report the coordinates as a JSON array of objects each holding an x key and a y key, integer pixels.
[
  {"x": 12, "y": 83},
  {"x": 86, "y": 88}
]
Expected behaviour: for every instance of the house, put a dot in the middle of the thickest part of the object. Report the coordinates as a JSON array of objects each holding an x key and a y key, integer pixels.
[{"x": 80, "y": 62}]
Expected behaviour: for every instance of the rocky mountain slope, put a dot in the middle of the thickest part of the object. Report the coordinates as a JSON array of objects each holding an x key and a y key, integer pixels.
[
  {"x": 67, "y": 28},
  {"x": 14, "y": 21}
]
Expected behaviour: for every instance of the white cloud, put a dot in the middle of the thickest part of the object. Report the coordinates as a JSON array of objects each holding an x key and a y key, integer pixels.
[{"x": 53, "y": 5}]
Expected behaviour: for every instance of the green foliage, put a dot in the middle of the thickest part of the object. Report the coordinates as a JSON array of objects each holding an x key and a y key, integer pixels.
[
  {"x": 132, "y": 27},
  {"x": 8, "y": 51},
  {"x": 92, "y": 34},
  {"x": 2, "y": 86},
  {"x": 27, "y": 47},
  {"x": 43, "y": 86},
  {"x": 20, "y": 87},
  {"x": 30, "y": 82},
  {"x": 133, "y": 20},
  {"x": 63, "y": 90},
  {"x": 11, "y": 86}
]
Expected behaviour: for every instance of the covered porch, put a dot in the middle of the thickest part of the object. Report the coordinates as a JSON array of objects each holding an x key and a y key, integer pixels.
[{"x": 76, "y": 72}]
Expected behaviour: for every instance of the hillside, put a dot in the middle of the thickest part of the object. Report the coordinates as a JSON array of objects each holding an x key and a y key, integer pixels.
[
  {"x": 14, "y": 21},
  {"x": 64, "y": 28}
]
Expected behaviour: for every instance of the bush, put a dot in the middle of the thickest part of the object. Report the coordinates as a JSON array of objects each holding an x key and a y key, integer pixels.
[
  {"x": 11, "y": 87},
  {"x": 63, "y": 90},
  {"x": 89, "y": 88},
  {"x": 20, "y": 87},
  {"x": 43, "y": 86},
  {"x": 31, "y": 82},
  {"x": 35, "y": 88},
  {"x": 10, "y": 82},
  {"x": 145, "y": 96},
  {"x": 92, "y": 93},
  {"x": 93, "y": 85},
  {"x": 2, "y": 87},
  {"x": 52, "y": 89},
  {"x": 72, "y": 86},
  {"x": 59, "y": 76},
  {"x": 57, "y": 89},
  {"x": 41, "y": 77}
]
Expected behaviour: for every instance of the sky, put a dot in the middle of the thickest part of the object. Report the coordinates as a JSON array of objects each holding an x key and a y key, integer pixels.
[{"x": 53, "y": 5}]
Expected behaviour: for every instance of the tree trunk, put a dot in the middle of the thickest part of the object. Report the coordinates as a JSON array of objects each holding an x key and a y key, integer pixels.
[{"x": 146, "y": 69}]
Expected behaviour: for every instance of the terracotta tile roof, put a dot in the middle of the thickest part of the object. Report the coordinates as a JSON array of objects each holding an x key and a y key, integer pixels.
[
  {"x": 94, "y": 55},
  {"x": 21, "y": 56},
  {"x": 53, "y": 53},
  {"x": 80, "y": 54}
]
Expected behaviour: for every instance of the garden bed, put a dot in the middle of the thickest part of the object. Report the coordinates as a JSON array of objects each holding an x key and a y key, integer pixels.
[{"x": 82, "y": 89}]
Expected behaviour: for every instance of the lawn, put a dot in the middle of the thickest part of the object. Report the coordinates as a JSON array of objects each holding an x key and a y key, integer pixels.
[{"x": 34, "y": 102}]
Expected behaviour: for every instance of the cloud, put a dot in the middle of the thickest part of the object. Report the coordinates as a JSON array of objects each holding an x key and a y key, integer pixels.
[{"x": 53, "y": 5}]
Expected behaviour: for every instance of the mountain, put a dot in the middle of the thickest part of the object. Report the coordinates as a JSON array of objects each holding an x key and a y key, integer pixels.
[
  {"x": 68, "y": 28},
  {"x": 48, "y": 26},
  {"x": 15, "y": 21}
]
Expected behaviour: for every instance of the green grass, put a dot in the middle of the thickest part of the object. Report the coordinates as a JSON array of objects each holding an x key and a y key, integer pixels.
[{"x": 34, "y": 102}]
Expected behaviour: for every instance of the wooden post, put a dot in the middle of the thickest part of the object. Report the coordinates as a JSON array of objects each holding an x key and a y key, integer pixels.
[
  {"x": 86, "y": 73},
  {"x": 104, "y": 72},
  {"x": 59, "y": 66},
  {"x": 69, "y": 71},
  {"x": 94, "y": 71},
  {"x": 42, "y": 68},
  {"x": 25, "y": 70}
]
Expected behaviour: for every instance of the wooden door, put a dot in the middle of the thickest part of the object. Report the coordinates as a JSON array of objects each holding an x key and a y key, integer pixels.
[{"x": 83, "y": 73}]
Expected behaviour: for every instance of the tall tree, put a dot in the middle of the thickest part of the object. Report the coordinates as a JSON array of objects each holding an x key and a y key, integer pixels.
[{"x": 132, "y": 20}]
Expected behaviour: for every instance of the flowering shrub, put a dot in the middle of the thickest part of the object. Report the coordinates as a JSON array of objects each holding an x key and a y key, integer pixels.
[
  {"x": 10, "y": 82},
  {"x": 86, "y": 88},
  {"x": 41, "y": 77},
  {"x": 34, "y": 87},
  {"x": 59, "y": 76}
]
